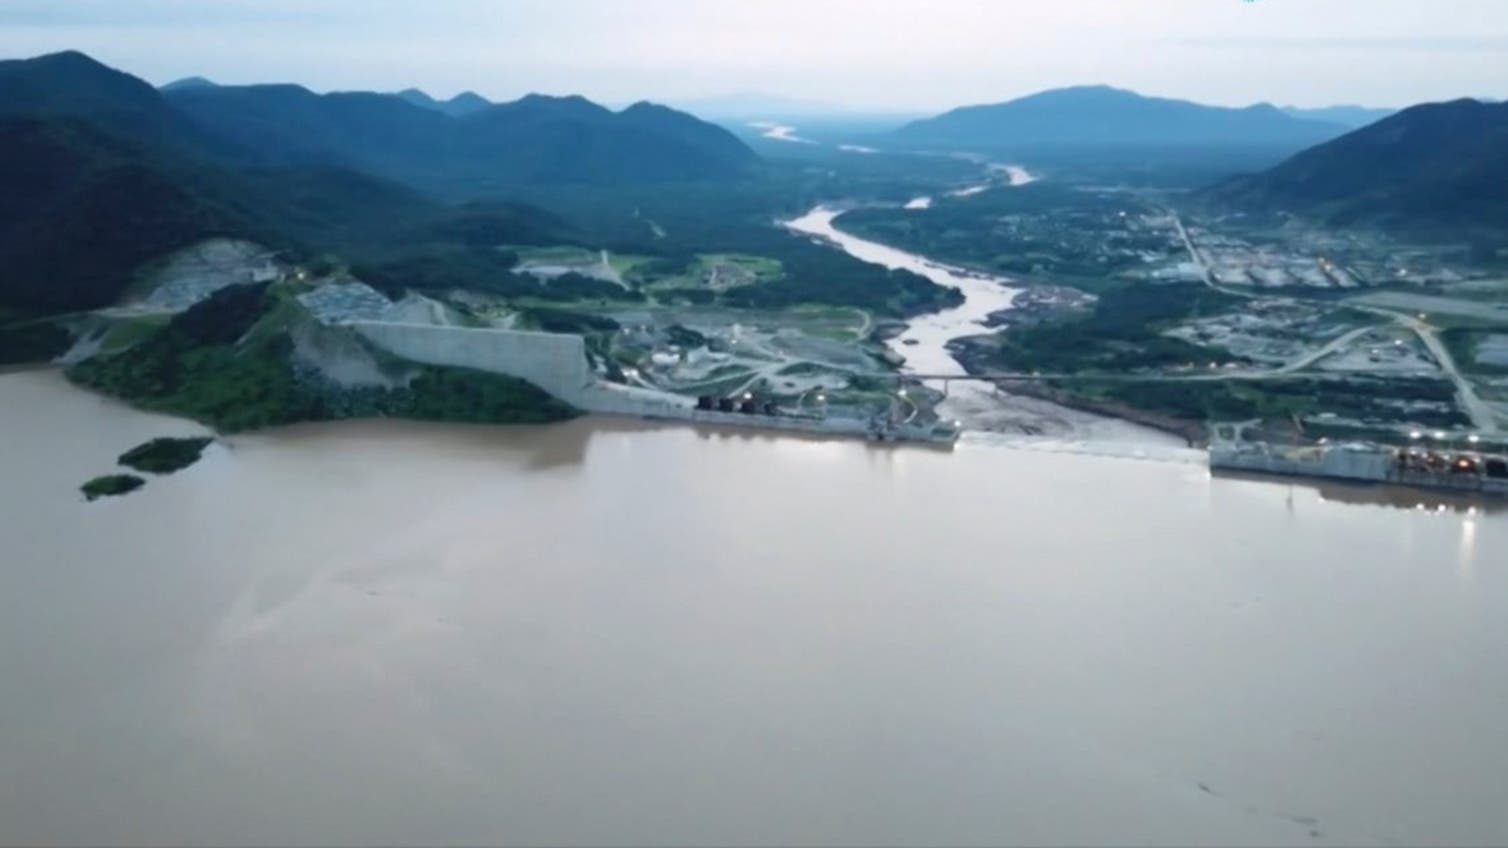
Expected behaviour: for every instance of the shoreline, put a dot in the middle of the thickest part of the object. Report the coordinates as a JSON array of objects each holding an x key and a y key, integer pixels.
[{"x": 970, "y": 319}]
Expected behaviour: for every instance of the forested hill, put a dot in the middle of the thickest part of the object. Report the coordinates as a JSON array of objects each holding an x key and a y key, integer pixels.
[
  {"x": 71, "y": 85},
  {"x": 102, "y": 172},
  {"x": 534, "y": 140},
  {"x": 1431, "y": 166},
  {"x": 1104, "y": 117},
  {"x": 467, "y": 140}
]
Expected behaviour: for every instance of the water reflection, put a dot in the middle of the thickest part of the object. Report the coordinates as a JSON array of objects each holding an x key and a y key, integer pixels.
[{"x": 1393, "y": 497}]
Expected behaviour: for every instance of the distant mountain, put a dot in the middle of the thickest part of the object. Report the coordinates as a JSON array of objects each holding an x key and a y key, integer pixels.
[
  {"x": 289, "y": 124},
  {"x": 1346, "y": 116},
  {"x": 465, "y": 103},
  {"x": 1094, "y": 117},
  {"x": 188, "y": 82},
  {"x": 536, "y": 139},
  {"x": 1440, "y": 165}
]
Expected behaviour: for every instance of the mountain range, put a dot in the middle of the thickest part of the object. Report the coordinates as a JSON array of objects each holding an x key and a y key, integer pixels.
[
  {"x": 445, "y": 147},
  {"x": 535, "y": 139},
  {"x": 463, "y": 104},
  {"x": 104, "y": 172},
  {"x": 1096, "y": 117},
  {"x": 1438, "y": 165}
]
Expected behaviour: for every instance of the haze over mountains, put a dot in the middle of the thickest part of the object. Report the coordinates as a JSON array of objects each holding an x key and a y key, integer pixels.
[
  {"x": 1089, "y": 117},
  {"x": 1346, "y": 116}
]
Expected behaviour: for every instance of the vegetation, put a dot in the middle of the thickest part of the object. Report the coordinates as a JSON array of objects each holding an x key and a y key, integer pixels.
[
  {"x": 1042, "y": 231},
  {"x": 111, "y": 485},
  {"x": 1444, "y": 168},
  {"x": 1388, "y": 401},
  {"x": 164, "y": 455},
  {"x": 443, "y": 268},
  {"x": 34, "y": 342},
  {"x": 220, "y": 363},
  {"x": 1123, "y": 333},
  {"x": 1464, "y": 343},
  {"x": 92, "y": 196},
  {"x": 563, "y": 321},
  {"x": 536, "y": 139}
]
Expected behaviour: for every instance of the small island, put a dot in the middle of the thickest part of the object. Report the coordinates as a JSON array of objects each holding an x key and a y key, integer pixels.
[
  {"x": 165, "y": 455},
  {"x": 111, "y": 485}
]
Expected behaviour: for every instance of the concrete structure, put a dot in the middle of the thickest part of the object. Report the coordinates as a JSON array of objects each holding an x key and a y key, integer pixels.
[
  {"x": 557, "y": 363},
  {"x": 1365, "y": 463}
]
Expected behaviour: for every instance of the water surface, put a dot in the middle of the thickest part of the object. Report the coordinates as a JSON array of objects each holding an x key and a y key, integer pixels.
[{"x": 388, "y": 633}]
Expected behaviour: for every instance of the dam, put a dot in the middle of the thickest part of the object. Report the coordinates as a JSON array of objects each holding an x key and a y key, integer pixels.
[
  {"x": 558, "y": 363},
  {"x": 1461, "y": 471}
]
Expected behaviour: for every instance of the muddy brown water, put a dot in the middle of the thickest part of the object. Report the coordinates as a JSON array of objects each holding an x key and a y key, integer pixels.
[{"x": 607, "y": 633}]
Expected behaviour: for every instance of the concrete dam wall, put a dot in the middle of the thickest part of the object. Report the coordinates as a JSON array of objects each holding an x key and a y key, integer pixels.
[
  {"x": 558, "y": 364},
  {"x": 555, "y": 362}
]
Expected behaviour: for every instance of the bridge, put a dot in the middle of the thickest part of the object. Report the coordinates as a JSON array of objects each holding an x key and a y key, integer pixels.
[{"x": 1211, "y": 376}]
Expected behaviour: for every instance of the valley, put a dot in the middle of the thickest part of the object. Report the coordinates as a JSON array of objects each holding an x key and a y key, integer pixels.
[
  {"x": 694, "y": 423},
  {"x": 812, "y": 283}
]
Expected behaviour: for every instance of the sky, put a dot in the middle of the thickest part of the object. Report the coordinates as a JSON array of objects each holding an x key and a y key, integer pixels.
[{"x": 868, "y": 55}]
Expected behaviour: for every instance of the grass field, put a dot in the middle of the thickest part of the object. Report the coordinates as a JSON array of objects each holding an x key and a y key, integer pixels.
[{"x": 131, "y": 331}]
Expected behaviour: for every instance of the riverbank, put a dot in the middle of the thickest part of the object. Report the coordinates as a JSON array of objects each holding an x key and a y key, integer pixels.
[
  {"x": 924, "y": 345},
  {"x": 1193, "y": 433}
]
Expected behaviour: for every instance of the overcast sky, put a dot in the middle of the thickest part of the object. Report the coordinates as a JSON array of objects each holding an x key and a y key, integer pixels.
[{"x": 871, "y": 54}]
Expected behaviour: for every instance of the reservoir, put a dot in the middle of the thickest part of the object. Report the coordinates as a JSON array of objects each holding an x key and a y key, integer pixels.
[{"x": 613, "y": 633}]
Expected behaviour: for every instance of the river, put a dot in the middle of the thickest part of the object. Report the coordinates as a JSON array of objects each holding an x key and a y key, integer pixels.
[
  {"x": 985, "y": 412},
  {"x": 615, "y": 633}
]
